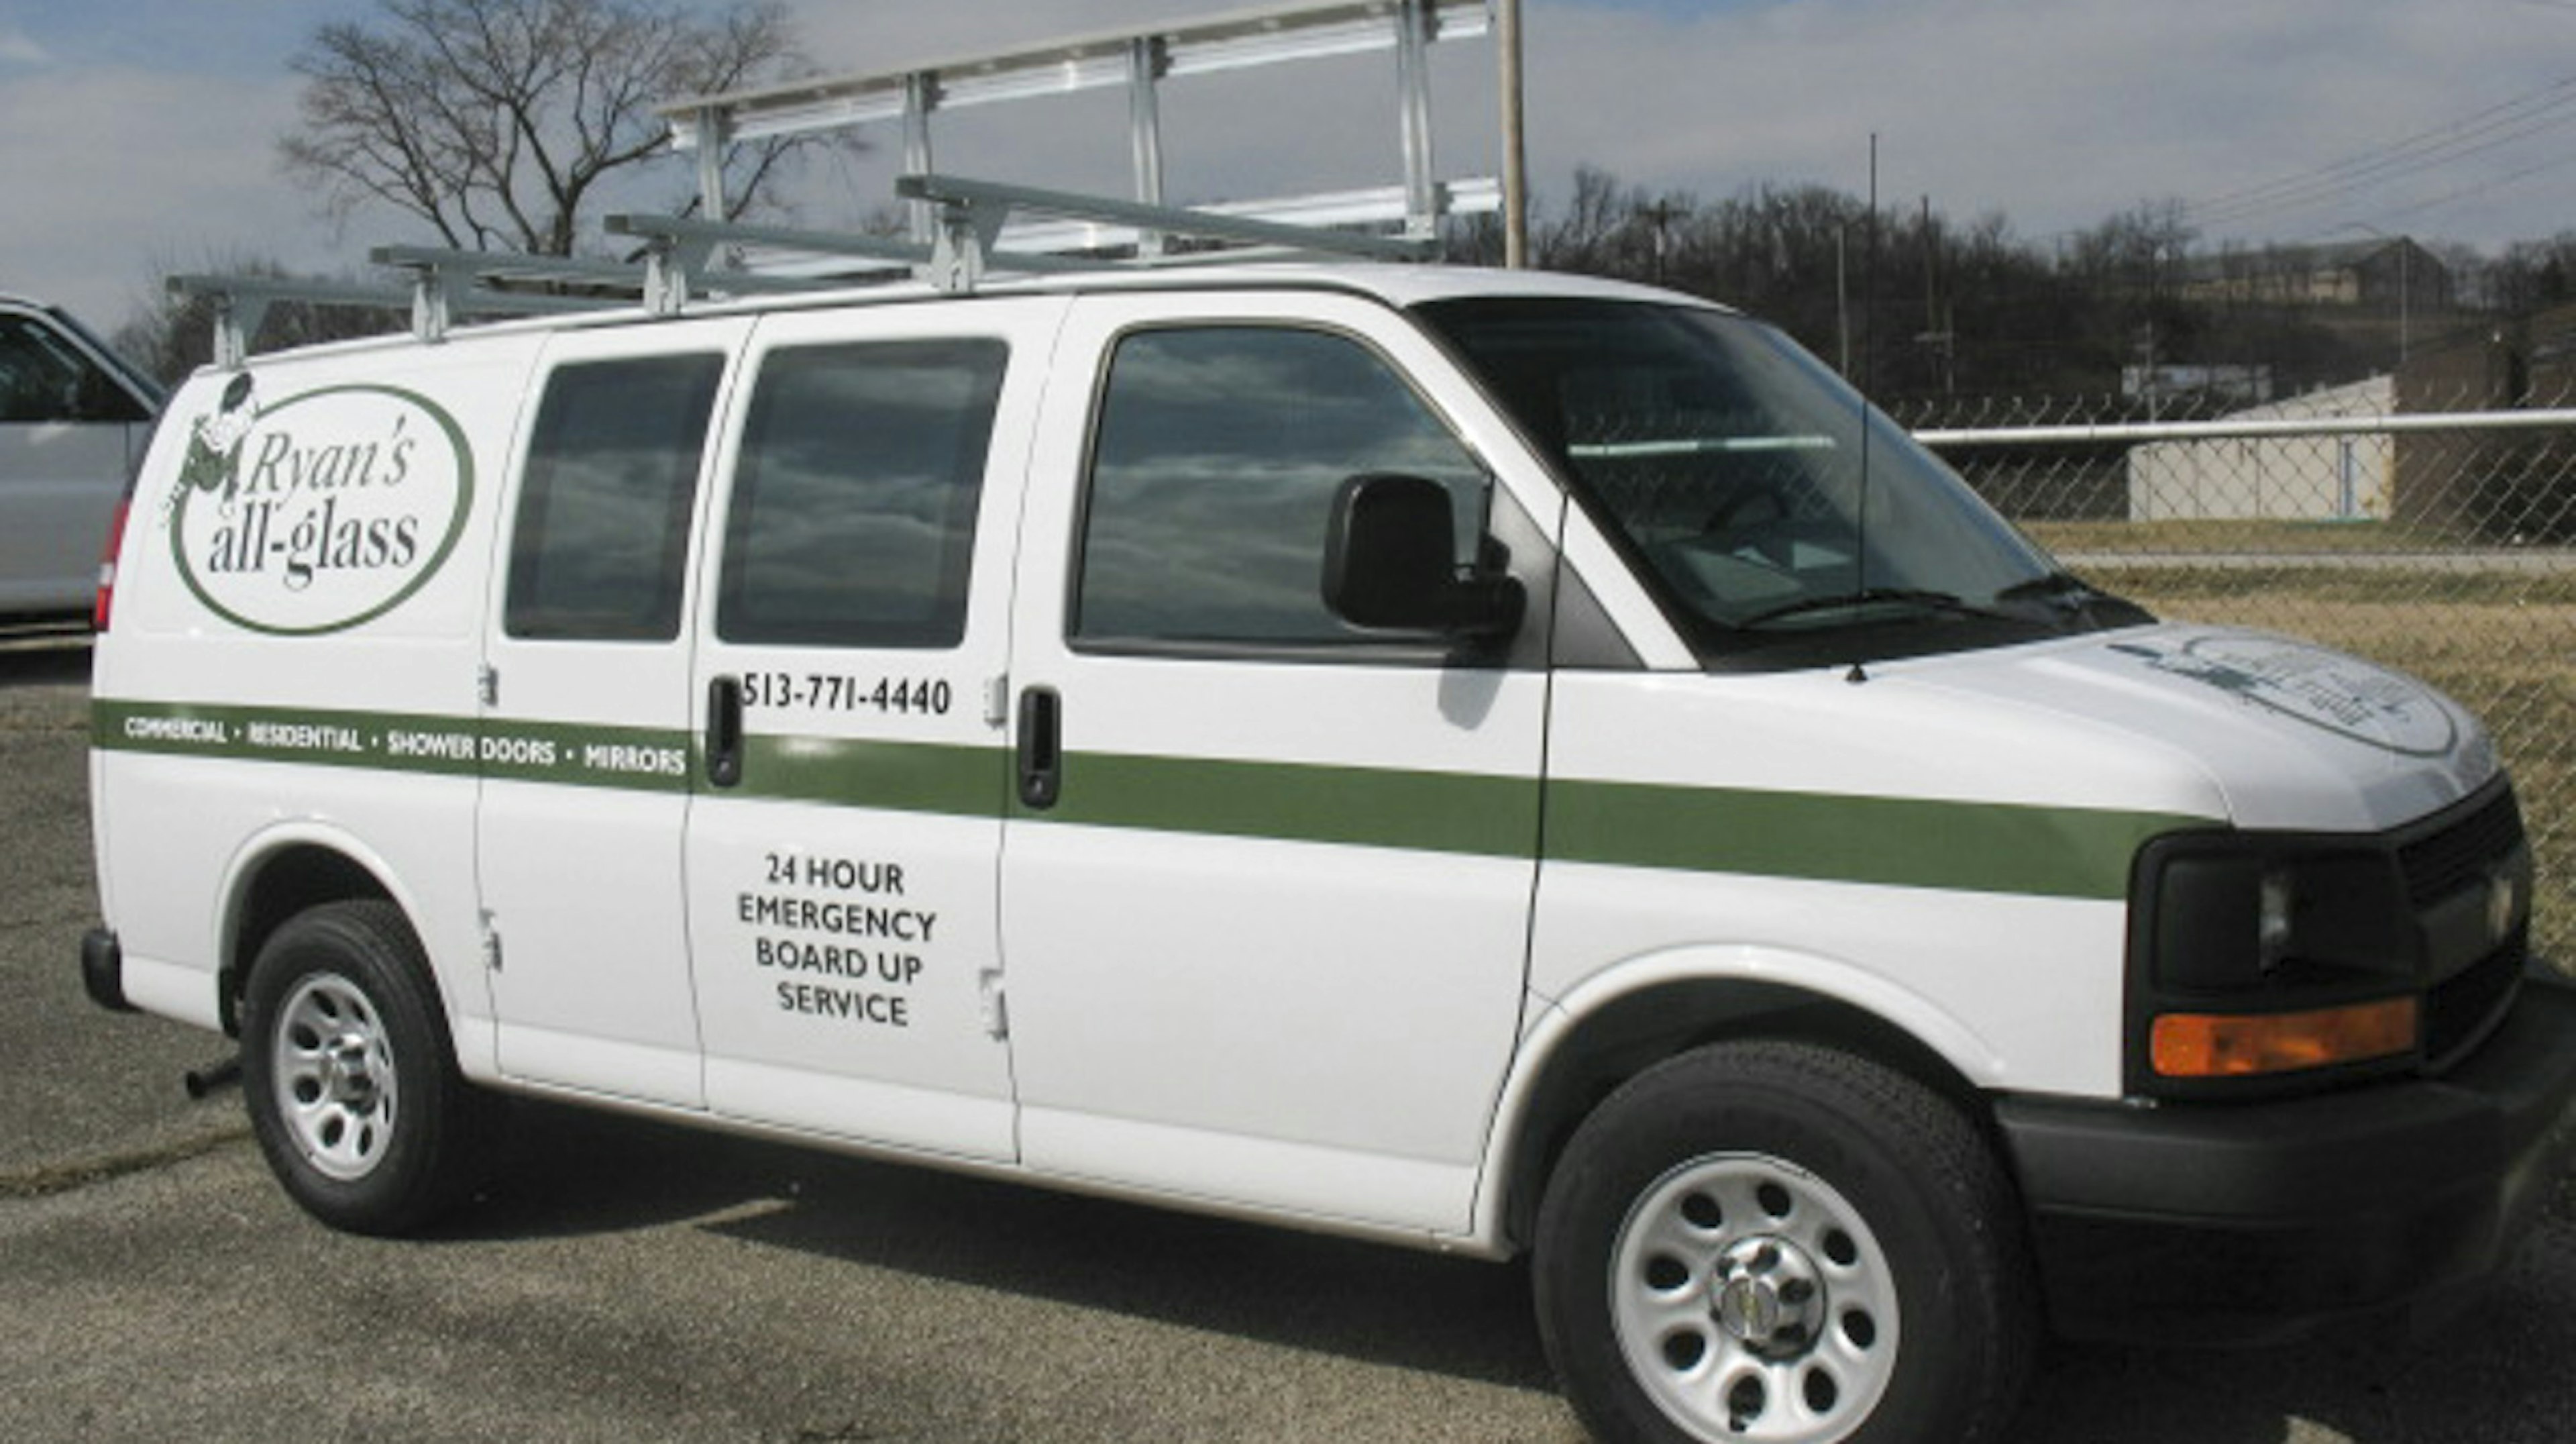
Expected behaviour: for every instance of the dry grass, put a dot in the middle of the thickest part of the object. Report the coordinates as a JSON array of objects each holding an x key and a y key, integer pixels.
[{"x": 2290, "y": 538}]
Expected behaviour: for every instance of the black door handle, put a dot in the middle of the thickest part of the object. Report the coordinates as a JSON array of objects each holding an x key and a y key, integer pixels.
[
  {"x": 724, "y": 731},
  {"x": 1041, "y": 748}
]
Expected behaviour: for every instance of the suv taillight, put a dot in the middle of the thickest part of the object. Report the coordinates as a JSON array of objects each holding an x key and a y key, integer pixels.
[{"x": 105, "y": 605}]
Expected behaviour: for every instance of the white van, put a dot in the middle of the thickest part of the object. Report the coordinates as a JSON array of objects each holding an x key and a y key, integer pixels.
[
  {"x": 73, "y": 420},
  {"x": 1492, "y": 762}
]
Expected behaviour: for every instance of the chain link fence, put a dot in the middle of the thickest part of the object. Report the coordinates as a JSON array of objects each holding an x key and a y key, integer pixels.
[{"x": 2435, "y": 533}]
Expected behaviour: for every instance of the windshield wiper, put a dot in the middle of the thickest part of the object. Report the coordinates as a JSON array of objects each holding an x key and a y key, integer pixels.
[
  {"x": 2075, "y": 597},
  {"x": 1941, "y": 603},
  {"x": 2066, "y": 586}
]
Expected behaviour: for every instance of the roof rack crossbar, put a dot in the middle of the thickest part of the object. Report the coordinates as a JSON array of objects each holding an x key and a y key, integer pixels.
[
  {"x": 446, "y": 283},
  {"x": 679, "y": 255},
  {"x": 974, "y": 211},
  {"x": 725, "y": 233},
  {"x": 1371, "y": 206},
  {"x": 679, "y": 259},
  {"x": 241, "y": 303}
]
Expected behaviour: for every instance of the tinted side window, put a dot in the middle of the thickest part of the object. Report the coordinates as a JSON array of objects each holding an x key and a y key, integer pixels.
[
  {"x": 602, "y": 538},
  {"x": 1212, "y": 479},
  {"x": 853, "y": 520},
  {"x": 44, "y": 377}
]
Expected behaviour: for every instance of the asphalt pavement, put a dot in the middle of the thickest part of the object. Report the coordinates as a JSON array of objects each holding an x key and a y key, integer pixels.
[{"x": 630, "y": 1281}]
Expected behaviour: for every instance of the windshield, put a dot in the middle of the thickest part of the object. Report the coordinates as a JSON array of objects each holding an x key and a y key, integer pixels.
[{"x": 1773, "y": 512}]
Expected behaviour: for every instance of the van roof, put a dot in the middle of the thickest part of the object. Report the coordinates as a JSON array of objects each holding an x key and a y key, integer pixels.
[{"x": 1397, "y": 285}]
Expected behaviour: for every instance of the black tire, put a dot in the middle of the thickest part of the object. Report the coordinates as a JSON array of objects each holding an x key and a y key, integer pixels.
[
  {"x": 1778, "y": 1243},
  {"x": 349, "y": 1075}
]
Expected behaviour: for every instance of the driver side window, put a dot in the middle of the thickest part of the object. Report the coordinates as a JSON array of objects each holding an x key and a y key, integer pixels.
[{"x": 1215, "y": 458}]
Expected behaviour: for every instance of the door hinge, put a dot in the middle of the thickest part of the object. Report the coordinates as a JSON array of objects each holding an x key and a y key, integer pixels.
[
  {"x": 487, "y": 684},
  {"x": 491, "y": 945},
  {"x": 997, "y": 1011}
]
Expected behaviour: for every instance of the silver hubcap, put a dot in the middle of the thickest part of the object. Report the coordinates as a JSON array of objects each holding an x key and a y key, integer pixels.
[
  {"x": 333, "y": 1074},
  {"x": 1752, "y": 1302}
]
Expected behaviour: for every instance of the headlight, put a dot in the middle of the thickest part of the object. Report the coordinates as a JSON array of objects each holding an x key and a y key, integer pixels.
[{"x": 2258, "y": 955}]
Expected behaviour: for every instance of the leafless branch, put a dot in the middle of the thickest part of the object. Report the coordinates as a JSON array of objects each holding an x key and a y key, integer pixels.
[{"x": 496, "y": 122}]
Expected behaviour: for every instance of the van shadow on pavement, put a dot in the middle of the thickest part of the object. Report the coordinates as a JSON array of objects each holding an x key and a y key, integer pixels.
[{"x": 568, "y": 1172}]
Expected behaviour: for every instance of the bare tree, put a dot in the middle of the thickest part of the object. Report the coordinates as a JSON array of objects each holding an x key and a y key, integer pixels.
[{"x": 497, "y": 121}]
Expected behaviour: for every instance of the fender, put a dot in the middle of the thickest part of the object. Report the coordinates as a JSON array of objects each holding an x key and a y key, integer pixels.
[
  {"x": 1771, "y": 979},
  {"x": 455, "y": 969}
]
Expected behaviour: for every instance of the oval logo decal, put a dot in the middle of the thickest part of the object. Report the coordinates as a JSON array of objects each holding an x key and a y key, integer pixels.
[
  {"x": 2324, "y": 689},
  {"x": 321, "y": 511}
]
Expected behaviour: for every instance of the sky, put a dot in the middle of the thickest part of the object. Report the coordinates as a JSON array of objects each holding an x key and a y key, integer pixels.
[{"x": 141, "y": 135}]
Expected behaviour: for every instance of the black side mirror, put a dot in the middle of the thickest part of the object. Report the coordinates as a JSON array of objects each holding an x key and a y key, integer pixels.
[{"x": 1387, "y": 563}]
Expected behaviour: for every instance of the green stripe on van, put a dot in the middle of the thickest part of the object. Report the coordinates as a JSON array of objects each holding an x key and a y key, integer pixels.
[
  {"x": 1897, "y": 841},
  {"x": 1903, "y": 842},
  {"x": 572, "y": 753},
  {"x": 851, "y": 772},
  {"x": 913, "y": 777},
  {"x": 1300, "y": 802}
]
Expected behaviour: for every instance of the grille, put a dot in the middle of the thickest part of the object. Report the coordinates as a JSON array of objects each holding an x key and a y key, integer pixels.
[
  {"x": 2437, "y": 865},
  {"x": 2459, "y": 1010}
]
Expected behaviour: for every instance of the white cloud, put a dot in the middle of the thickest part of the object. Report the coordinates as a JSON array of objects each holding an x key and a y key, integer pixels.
[
  {"x": 19, "y": 48},
  {"x": 117, "y": 174}
]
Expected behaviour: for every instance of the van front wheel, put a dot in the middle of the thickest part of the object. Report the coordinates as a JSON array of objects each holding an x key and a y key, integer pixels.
[
  {"x": 351, "y": 1084},
  {"x": 1782, "y": 1244}
]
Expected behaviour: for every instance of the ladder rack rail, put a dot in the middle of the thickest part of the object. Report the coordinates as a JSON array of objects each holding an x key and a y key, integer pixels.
[{"x": 958, "y": 223}]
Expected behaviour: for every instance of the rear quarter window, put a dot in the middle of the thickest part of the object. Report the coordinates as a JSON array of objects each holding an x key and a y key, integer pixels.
[{"x": 600, "y": 548}]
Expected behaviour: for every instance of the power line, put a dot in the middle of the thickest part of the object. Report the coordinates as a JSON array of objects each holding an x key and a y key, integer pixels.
[
  {"x": 2379, "y": 153},
  {"x": 2482, "y": 187},
  {"x": 2504, "y": 123}
]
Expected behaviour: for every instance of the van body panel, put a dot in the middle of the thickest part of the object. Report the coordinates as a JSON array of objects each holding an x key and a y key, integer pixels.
[{"x": 231, "y": 503}]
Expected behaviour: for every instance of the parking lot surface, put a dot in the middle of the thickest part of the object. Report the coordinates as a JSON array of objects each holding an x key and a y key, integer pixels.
[{"x": 631, "y": 1281}]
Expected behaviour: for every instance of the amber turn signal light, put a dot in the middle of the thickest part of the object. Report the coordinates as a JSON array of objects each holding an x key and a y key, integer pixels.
[{"x": 2236, "y": 1045}]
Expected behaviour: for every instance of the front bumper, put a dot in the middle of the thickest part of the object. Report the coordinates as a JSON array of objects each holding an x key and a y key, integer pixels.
[{"x": 2250, "y": 1222}]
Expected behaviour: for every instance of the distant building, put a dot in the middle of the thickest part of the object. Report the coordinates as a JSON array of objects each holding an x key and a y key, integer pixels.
[
  {"x": 2498, "y": 486},
  {"x": 2301, "y": 478},
  {"x": 2382, "y": 272}
]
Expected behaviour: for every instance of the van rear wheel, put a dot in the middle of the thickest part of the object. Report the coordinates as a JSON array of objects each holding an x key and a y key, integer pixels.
[
  {"x": 349, "y": 1076},
  {"x": 1783, "y": 1244}
]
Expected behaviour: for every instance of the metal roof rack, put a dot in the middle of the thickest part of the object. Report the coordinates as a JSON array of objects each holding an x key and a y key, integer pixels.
[
  {"x": 1139, "y": 61},
  {"x": 242, "y": 302},
  {"x": 959, "y": 224}
]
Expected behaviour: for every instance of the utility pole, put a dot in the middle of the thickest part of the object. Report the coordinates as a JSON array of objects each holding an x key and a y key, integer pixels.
[
  {"x": 1942, "y": 338},
  {"x": 1842, "y": 295},
  {"x": 1515, "y": 153}
]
